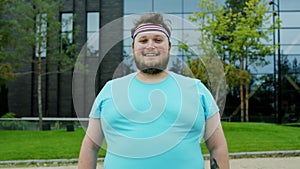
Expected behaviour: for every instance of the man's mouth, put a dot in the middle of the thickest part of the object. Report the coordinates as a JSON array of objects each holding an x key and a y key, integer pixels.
[{"x": 151, "y": 54}]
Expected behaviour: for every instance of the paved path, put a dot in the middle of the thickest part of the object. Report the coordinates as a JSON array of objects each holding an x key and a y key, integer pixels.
[
  {"x": 246, "y": 163},
  {"x": 266, "y": 163}
]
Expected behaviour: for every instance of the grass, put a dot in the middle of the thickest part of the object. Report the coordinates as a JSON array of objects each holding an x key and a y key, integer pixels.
[
  {"x": 253, "y": 137},
  {"x": 55, "y": 144},
  {"x": 39, "y": 144}
]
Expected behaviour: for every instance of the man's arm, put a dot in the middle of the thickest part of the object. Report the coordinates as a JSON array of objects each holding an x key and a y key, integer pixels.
[
  {"x": 216, "y": 143},
  {"x": 91, "y": 145}
]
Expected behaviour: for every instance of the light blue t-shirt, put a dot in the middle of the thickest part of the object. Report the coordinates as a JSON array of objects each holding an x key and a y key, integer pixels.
[{"x": 154, "y": 126}]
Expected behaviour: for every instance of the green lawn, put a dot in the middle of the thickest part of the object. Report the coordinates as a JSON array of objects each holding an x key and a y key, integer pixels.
[
  {"x": 251, "y": 137},
  {"x": 241, "y": 137},
  {"x": 39, "y": 144}
]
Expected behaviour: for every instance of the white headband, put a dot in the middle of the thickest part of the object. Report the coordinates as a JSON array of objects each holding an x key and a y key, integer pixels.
[{"x": 149, "y": 27}]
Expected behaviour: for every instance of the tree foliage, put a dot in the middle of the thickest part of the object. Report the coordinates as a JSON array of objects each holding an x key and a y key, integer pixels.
[
  {"x": 38, "y": 30},
  {"x": 6, "y": 34},
  {"x": 34, "y": 38},
  {"x": 239, "y": 31}
]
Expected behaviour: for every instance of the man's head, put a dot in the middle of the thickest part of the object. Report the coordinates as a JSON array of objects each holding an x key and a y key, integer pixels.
[{"x": 151, "y": 43}]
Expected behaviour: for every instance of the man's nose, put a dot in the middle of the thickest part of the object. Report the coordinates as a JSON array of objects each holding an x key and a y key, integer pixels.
[{"x": 150, "y": 44}]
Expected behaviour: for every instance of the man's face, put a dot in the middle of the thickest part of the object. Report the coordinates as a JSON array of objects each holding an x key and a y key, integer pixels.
[{"x": 151, "y": 51}]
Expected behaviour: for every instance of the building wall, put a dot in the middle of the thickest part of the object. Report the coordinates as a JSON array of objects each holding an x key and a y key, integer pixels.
[{"x": 57, "y": 88}]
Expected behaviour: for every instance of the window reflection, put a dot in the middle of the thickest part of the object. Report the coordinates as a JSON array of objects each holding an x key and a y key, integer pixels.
[
  {"x": 93, "y": 24},
  {"x": 190, "y": 5},
  {"x": 137, "y": 6},
  {"x": 290, "y": 19},
  {"x": 290, "y": 32},
  {"x": 289, "y": 4},
  {"x": 66, "y": 30},
  {"x": 168, "y": 6},
  {"x": 290, "y": 36}
]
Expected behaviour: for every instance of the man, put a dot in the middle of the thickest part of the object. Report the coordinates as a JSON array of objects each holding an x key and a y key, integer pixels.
[{"x": 154, "y": 118}]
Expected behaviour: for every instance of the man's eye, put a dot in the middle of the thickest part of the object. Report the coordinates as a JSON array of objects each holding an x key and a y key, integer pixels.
[
  {"x": 143, "y": 40},
  {"x": 158, "y": 40}
]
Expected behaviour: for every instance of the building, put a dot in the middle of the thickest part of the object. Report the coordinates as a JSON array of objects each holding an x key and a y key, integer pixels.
[
  {"x": 57, "y": 88},
  {"x": 94, "y": 14}
]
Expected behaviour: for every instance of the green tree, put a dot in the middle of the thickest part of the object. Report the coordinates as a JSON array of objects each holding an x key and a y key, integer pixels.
[
  {"x": 239, "y": 37},
  {"x": 6, "y": 34},
  {"x": 40, "y": 41},
  {"x": 7, "y": 64},
  {"x": 204, "y": 65}
]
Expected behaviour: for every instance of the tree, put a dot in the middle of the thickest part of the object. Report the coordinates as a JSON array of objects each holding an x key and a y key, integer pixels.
[
  {"x": 6, "y": 69},
  {"x": 7, "y": 64},
  {"x": 239, "y": 37},
  {"x": 40, "y": 41},
  {"x": 202, "y": 64}
]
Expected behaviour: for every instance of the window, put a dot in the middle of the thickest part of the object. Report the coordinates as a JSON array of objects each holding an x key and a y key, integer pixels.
[
  {"x": 288, "y": 5},
  {"x": 66, "y": 30},
  {"x": 137, "y": 6},
  {"x": 289, "y": 19},
  {"x": 93, "y": 25},
  {"x": 164, "y": 6},
  {"x": 190, "y": 6}
]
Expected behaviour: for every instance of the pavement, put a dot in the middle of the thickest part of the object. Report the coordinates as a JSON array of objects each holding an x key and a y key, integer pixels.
[{"x": 258, "y": 160}]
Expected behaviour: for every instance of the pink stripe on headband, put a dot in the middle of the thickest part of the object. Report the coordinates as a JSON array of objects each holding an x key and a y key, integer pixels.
[{"x": 150, "y": 27}]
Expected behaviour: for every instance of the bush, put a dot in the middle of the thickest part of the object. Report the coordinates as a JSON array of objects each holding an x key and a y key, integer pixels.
[
  {"x": 12, "y": 124},
  {"x": 9, "y": 115}
]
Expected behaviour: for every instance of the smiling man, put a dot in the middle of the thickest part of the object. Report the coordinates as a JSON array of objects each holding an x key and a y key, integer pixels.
[
  {"x": 151, "y": 48},
  {"x": 154, "y": 118}
]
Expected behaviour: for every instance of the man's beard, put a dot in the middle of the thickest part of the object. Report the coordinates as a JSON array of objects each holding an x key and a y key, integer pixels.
[{"x": 153, "y": 69}]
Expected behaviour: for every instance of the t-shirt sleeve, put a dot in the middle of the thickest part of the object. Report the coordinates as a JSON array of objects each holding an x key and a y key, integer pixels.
[
  {"x": 99, "y": 100},
  {"x": 208, "y": 102}
]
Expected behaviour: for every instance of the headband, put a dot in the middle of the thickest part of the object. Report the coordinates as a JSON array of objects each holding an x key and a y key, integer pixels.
[{"x": 149, "y": 27}]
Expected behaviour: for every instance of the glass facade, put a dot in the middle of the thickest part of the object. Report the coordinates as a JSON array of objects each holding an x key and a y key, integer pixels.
[
  {"x": 177, "y": 11},
  {"x": 289, "y": 12},
  {"x": 266, "y": 93},
  {"x": 93, "y": 25},
  {"x": 289, "y": 40}
]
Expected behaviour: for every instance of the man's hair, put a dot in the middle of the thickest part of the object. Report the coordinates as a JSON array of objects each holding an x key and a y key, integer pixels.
[{"x": 154, "y": 18}]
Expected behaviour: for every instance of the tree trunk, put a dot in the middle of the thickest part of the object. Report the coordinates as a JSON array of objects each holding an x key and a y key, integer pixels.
[
  {"x": 39, "y": 22},
  {"x": 39, "y": 93},
  {"x": 247, "y": 103},
  {"x": 242, "y": 94},
  {"x": 242, "y": 102},
  {"x": 247, "y": 92}
]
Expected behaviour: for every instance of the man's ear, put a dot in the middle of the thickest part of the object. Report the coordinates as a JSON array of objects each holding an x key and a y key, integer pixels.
[
  {"x": 170, "y": 46},
  {"x": 132, "y": 46}
]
